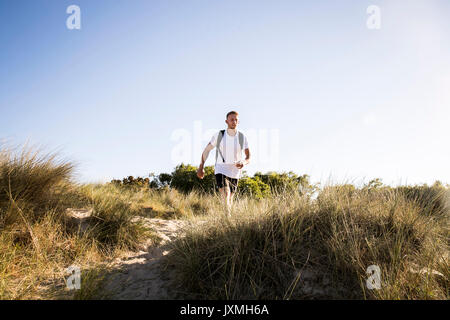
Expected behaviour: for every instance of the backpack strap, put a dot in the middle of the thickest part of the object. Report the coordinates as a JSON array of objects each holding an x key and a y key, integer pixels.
[
  {"x": 241, "y": 140},
  {"x": 219, "y": 139}
]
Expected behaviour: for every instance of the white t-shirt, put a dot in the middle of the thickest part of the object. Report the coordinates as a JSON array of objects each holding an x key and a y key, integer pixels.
[{"x": 231, "y": 151}]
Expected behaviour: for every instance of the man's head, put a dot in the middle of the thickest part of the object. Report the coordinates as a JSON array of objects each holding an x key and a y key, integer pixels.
[{"x": 232, "y": 119}]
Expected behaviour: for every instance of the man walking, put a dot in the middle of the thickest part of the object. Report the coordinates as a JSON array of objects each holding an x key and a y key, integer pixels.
[{"x": 229, "y": 145}]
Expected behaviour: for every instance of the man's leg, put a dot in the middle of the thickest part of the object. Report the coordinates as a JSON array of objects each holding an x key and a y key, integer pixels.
[
  {"x": 225, "y": 191},
  {"x": 233, "y": 190}
]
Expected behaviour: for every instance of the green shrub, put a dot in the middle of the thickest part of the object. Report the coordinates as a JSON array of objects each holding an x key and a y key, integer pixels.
[
  {"x": 184, "y": 179},
  {"x": 138, "y": 182},
  {"x": 253, "y": 187},
  {"x": 286, "y": 181}
]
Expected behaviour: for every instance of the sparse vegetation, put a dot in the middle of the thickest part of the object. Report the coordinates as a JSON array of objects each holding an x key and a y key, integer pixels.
[
  {"x": 38, "y": 240},
  {"x": 184, "y": 179},
  {"x": 281, "y": 243},
  {"x": 289, "y": 247}
]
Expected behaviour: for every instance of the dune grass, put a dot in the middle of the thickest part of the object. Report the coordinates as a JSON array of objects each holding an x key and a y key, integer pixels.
[
  {"x": 286, "y": 246},
  {"x": 38, "y": 240},
  {"x": 292, "y": 247}
]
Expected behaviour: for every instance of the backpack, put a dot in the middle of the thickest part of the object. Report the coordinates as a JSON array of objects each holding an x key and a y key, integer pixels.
[{"x": 219, "y": 139}]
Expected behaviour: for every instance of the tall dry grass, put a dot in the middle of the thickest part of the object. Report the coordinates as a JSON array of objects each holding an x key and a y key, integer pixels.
[
  {"x": 27, "y": 178},
  {"x": 293, "y": 247},
  {"x": 287, "y": 246},
  {"x": 37, "y": 239}
]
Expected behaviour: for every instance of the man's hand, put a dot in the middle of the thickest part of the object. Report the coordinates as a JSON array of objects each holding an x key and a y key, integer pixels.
[
  {"x": 200, "y": 172},
  {"x": 239, "y": 164}
]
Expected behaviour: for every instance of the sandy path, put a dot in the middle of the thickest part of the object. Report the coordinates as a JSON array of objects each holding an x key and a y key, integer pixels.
[{"x": 139, "y": 275}]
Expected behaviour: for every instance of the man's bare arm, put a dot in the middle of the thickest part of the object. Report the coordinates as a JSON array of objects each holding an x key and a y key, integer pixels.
[
  {"x": 246, "y": 161},
  {"x": 205, "y": 154},
  {"x": 247, "y": 156}
]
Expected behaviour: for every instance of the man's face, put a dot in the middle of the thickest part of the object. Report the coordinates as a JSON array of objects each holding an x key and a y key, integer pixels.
[{"x": 232, "y": 121}]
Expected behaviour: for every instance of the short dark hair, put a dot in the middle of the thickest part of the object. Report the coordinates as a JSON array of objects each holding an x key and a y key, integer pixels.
[{"x": 232, "y": 112}]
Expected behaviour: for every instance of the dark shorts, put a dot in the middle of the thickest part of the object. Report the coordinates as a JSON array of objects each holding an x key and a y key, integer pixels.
[{"x": 224, "y": 181}]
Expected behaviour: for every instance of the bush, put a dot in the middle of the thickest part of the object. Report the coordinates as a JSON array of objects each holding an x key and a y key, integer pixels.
[
  {"x": 184, "y": 178},
  {"x": 253, "y": 187},
  {"x": 287, "y": 181},
  {"x": 138, "y": 182},
  {"x": 163, "y": 180}
]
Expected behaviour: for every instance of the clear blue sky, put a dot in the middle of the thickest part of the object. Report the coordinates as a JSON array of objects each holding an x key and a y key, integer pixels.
[{"x": 347, "y": 103}]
